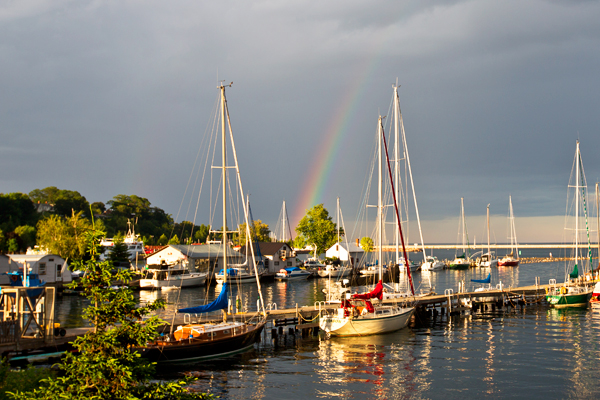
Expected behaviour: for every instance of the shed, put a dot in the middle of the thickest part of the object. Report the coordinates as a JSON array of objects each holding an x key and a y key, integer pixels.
[
  {"x": 345, "y": 252},
  {"x": 51, "y": 268}
]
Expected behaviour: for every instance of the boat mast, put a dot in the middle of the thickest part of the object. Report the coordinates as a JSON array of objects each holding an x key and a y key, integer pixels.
[
  {"x": 577, "y": 157},
  {"x": 412, "y": 185},
  {"x": 488, "y": 233},
  {"x": 396, "y": 164},
  {"x": 462, "y": 215},
  {"x": 224, "y": 178},
  {"x": 338, "y": 229},
  {"x": 379, "y": 201},
  {"x": 598, "y": 221},
  {"x": 245, "y": 207},
  {"x": 283, "y": 212}
]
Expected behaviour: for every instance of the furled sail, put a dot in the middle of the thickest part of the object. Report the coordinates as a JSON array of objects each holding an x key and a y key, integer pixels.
[
  {"x": 486, "y": 280},
  {"x": 219, "y": 304},
  {"x": 376, "y": 293}
]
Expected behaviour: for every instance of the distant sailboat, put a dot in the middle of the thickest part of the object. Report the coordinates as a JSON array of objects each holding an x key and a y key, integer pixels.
[
  {"x": 487, "y": 260},
  {"x": 511, "y": 259},
  {"x": 462, "y": 261},
  {"x": 574, "y": 293}
]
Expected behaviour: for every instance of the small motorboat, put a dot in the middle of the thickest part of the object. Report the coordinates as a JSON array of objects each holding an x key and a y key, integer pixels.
[{"x": 293, "y": 273}]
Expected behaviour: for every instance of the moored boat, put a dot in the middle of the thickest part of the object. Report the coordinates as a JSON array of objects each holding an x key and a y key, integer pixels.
[
  {"x": 575, "y": 292},
  {"x": 292, "y": 274}
]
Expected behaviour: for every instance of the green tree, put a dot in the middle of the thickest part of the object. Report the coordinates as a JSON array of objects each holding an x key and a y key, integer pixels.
[
  {"x": 64, "y": 236},
  {"x": 367, "y": 244},
  {"x": 98, "y": 208},
  {"x": 27, "y": 234},
  {"x": 202, "y": 233},
  {"x": 317, "y": 228},
  {"x": 258, "y": 230},
  {"x": 118, "y": 252},
  {"x": 299, "y": 242},
  {"x": 12, "y": 246},
  {"x": 64, "y": 201},
  {"x": 106, "y": 365},
  {"x": 174, "y": 240},
  {"x": 16, "y": 209},
  {"x": 162, "y": 240}
]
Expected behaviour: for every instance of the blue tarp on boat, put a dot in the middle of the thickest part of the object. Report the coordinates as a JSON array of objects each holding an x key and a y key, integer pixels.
[
  {"x": 219, "y": 304},
  {"x": 230, "y": 272},
  {"x": 486, "y": 280},
  {"x": 292, "y": 269}
]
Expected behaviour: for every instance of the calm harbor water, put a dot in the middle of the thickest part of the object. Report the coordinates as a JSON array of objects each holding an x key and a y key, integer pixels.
[{"x": 529, "y": 352}]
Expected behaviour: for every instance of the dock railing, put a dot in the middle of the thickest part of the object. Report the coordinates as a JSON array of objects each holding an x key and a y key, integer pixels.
[{"x": 27, "y": 314}]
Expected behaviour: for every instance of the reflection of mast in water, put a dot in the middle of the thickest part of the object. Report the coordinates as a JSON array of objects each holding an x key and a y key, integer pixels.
[
  {"x": 345, "y": 362},
  {"x": 489, "y": 360}
]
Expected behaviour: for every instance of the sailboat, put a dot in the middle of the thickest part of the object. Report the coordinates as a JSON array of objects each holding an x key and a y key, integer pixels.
[
  {"x": 336, "y": 271},
  {"x": 511, "y": 259},
  {"x": 487, "y": 260},
  {"x": 462, "y": 261},
  {"x": 574, "y": 293},
  {"x": 193, "y": 342},
  {"x": 352, "y": 319}
]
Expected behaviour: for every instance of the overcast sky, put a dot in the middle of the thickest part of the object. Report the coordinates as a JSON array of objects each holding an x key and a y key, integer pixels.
[{"x": 112, "y": 97}]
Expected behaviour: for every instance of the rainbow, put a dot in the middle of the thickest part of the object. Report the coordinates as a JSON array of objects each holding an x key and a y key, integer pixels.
[{"x": 313, "y": 190}]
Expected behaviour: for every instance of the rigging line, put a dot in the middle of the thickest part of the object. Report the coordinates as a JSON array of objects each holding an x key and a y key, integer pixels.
[
  {"x": 584, "y": 197},
  {"x": 206, "y": 130},
  {"x": 412, "y": 288}
]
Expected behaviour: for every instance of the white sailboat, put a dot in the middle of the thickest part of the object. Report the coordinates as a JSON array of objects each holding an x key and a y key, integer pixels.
[
  {"x": 462, "y": 261},
  {"x": 358, "y": 320},
  {"x": 511, "y": 259},
  {"x": 487, "y": 260}
]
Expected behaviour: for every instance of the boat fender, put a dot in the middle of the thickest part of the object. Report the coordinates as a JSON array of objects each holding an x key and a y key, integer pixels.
[
  {"x": 562, "y": 290},
  {"x": 546, "y": 290}
]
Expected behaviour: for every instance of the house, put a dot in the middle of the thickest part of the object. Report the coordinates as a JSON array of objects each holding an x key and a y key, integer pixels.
[
  {"x": 276, "y": 255},
  {"x": 50, "y": 268},
  {"x": 200, "y": 258},
  {"x": 348, "y": 252}
]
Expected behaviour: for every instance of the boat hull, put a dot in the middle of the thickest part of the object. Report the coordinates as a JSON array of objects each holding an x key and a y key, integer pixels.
[
  {"x": 365, "y": 325},
  {"x": 511, "y": 263},
  {"x": 186, "y": 351},
  {"x": 559, "y": 300},
  {"x": 193, "y": 280},
  {"x": 295, "y": 277},
  {"x": 336, "y": 273},
  {"x": 236, "y": 279}
]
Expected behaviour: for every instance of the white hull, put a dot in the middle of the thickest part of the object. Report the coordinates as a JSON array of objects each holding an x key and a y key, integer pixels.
[
  {"x": 244, "y": 278},
  {"x": 334, "y": 273},
  {"x": 186, "y": 280},
  {"x": 368, "y": 324},
  {"x": 294, "y": 276},
  {"x": 488, "y": 264},
  {"x": 433, "y": 266}
]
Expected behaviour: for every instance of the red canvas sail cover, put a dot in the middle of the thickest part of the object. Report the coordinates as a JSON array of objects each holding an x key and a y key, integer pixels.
[{"x": 376, "y": 293}]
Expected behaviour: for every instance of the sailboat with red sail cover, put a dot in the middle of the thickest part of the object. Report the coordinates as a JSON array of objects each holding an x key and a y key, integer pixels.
[{"x": 357, "y": 315}]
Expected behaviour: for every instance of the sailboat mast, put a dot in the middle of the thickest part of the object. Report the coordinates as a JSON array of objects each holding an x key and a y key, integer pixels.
[
  {"x": 338, "y": 227},
  {"x": 577, "y": 157},
  {"x": 598, "y": 220},
  {"x": 379, "y": 201},
  {"x": 462, "y": 215},
  {"x": 224, "y": 178},
  {"x": 283, "y": 214},
  {"x": 488, "y": 232},
  {"x": 397, "y": 163},
  {"x": 412, "y": 184}
]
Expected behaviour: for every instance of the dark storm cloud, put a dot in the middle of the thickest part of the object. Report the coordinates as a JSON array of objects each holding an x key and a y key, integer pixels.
[{"x": 113, "y": 97}]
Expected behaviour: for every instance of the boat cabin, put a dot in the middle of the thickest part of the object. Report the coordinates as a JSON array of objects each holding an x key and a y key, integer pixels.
[{"x": 194, "y": 258}]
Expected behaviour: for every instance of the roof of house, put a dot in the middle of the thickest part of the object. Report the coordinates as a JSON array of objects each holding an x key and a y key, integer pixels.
[
  {"x": 267, "y": 248},
  {"x": 349, "y": 247}
]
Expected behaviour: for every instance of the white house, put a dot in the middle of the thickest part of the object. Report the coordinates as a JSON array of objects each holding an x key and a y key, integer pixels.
[
  {"x": 50, "y": 268},
  {"x": 201, "y": 258},
  {"x": 276, "y": 255},
  {"x": 349, "y": 252}
]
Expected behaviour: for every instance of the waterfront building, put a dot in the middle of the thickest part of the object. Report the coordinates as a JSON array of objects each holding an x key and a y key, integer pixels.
[{"x": 50, "y": 268}]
